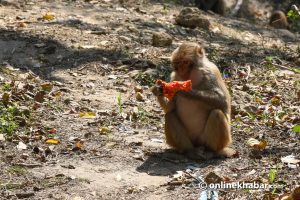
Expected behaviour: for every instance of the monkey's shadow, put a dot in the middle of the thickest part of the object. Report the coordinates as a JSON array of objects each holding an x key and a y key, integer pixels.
[{"x": 169, "y": 161}]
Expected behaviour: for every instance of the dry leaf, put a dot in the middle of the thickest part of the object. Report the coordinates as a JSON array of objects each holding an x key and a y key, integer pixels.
[
  {"x": 257, "y": 144},
  {"x": 104, "y": 130},
  {"x": 21, "y": 146},
  {"x": 48, "y": 17},
  {"x": 78, "y": 146},
  {"x": 52, "y": 130},
  {"x": 47, "y": 87},
  {"x": 22, "y": 25},
  {"x": 275, "y": 100},
  {"x": 52, "y": 141},
  {"x": 2, "y": 138},
  {"x": 87, "y": 115},
  {"x": 139, "y": 96},
  {"x": 290, "y": 159}
]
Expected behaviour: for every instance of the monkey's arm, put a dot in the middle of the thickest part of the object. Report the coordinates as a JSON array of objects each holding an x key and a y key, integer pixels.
[{"x": 215, "y": 98}]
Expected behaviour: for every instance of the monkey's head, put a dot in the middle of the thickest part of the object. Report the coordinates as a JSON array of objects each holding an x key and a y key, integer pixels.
[{"x": 185, "y": 58}]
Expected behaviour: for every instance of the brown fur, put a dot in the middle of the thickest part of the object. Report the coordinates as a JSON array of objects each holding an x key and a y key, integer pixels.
[
  {"x": 217, "y": 6},
  {"x": 279, "y": 20},
  {"x": 200, "y": 117}
]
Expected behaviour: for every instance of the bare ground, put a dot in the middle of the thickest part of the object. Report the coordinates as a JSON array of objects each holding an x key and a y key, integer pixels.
[{"x": 96, "y": 52}]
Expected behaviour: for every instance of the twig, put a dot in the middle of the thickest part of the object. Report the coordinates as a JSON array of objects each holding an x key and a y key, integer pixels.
[
  {"x": 282, "y": 66},
  {"x": 29, "y": 165}
]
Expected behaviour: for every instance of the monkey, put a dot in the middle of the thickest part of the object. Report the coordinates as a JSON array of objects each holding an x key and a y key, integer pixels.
[
  {"x": 199, "y": 117},
  {"x": 279, "y": 20},
  {"x": 217, "y": 6}
]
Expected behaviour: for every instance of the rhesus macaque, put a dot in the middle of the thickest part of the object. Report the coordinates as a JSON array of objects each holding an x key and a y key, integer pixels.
[
  {"x": 217, "y": 6},
  {"x": 199, "y": 117},
  {"x": 279, "y": 20}
]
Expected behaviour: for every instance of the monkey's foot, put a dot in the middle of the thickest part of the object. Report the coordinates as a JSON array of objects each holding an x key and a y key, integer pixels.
[{"x": 228, "y": 152}]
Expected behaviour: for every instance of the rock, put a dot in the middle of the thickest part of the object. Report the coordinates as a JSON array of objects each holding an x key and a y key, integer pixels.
[
  {"x": 192, "y": 18},
  {"x": 161, "y": 39}
]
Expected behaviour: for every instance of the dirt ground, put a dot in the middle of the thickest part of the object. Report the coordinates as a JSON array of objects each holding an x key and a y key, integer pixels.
[{"x": 96, "y": 56}]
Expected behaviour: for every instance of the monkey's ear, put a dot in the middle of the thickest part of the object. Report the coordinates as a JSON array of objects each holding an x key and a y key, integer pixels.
[{"x": 200, "y": 51}]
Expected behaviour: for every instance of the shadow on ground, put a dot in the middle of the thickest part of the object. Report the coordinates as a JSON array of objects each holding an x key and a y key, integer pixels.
[{"x": 168, "y": 162}]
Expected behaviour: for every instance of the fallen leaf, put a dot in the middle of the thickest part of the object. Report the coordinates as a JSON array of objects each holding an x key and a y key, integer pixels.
[
  {"x": 47, "y": 87},
  {"x": 52, "y": 130},
  {"x": 21, "y": 146},
  {"x": 110, "y": 144},
  {"x": 253, "y": 171},
  {"x": 139, "y": 96},
  {"x": 157, "y": 140},
  {"x": 52, "y": 141},
  {"x": 178, "y": 175},
  {"x": 113, "y": 77},
  {"x": 104, "y": 130},
  {"x": 87, "y": 115},
  {"x": 39, "y": 97},
  {"x": 275, "y": 100},
  {"x": 5, "y": 98},
  {"x": 2, "y": 138},
  {"x": 138, "y": 88},
  {"x": 48, "y": 17},
  {"x": 213, "y": 177},
  {"x": 22, "y": 24},
  {"x": 87, "y": 47},
  {"x": 296, "y": 128},
  {"x": 119, "y": 177},
  {"x": 78, "y": 146},
  {"x": 257, "y": 144},
  {"x": 290, "y": 159}
]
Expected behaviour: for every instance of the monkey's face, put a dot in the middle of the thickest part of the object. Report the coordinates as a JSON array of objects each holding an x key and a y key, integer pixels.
[{"x": 183, "y": 68}]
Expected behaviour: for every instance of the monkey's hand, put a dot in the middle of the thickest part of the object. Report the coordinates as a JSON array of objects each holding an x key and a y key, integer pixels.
[{"x": 157, "y": 90}]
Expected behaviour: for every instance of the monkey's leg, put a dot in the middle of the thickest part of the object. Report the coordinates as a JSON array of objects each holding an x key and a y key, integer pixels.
[
  {"x": 176, "y": 133},
  {"x": 216, "y": 134}
]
